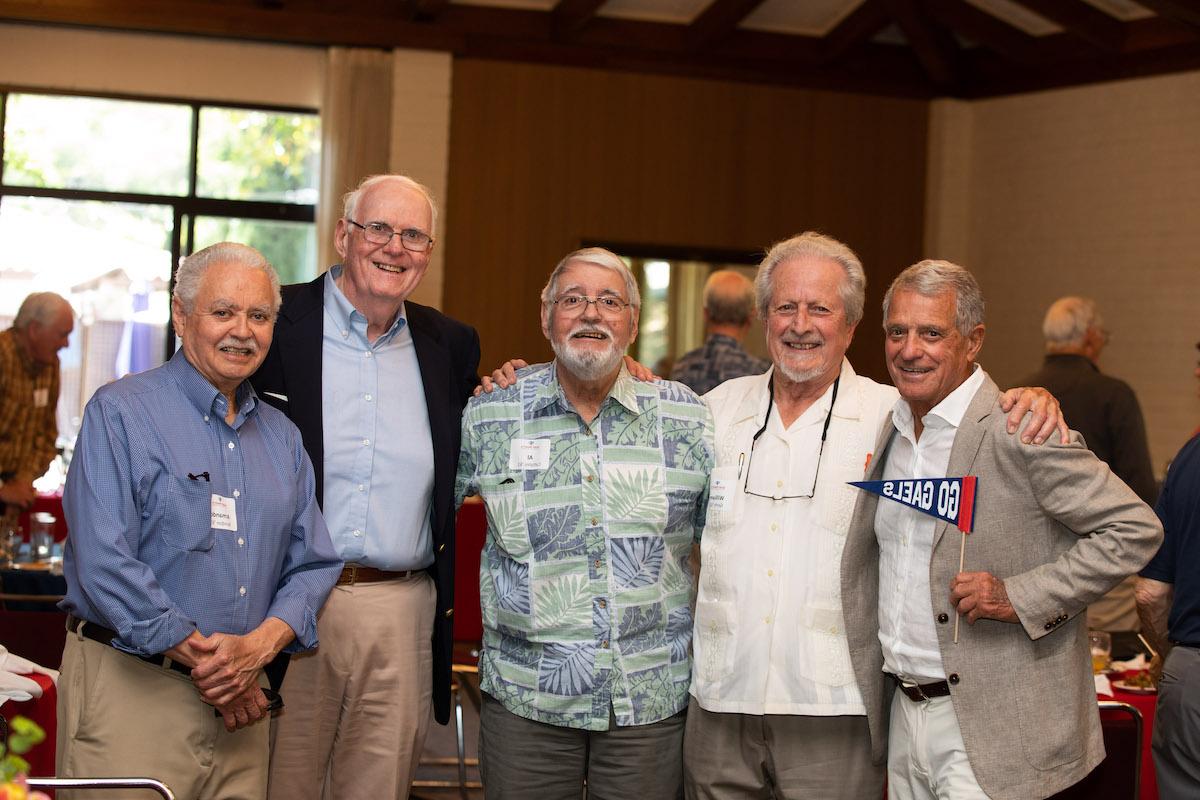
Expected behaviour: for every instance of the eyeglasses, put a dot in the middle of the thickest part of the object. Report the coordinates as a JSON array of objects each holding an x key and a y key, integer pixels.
[
  {"x": 573, "y": 305},
  {"x": 753, "y": 441},
  {"x": 379, "y": 233}
]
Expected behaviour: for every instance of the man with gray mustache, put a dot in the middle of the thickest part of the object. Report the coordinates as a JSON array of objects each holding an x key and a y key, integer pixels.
[
  {"x": 197, "y": 552},
  {"x": 595, "y": 488}
]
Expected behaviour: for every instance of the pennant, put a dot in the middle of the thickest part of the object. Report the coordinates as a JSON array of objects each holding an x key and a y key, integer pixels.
[{"x": 951, "y": 499}]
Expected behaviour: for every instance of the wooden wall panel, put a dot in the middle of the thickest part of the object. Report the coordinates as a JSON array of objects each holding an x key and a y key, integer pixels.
[{"x": 543, "y": 158}]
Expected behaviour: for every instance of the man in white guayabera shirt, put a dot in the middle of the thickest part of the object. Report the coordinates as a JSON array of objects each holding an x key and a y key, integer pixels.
[{"x": 775, "y": 705}]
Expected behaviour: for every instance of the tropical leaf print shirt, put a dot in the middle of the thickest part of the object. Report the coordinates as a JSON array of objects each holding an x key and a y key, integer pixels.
[{"x": 585, "y": 582}]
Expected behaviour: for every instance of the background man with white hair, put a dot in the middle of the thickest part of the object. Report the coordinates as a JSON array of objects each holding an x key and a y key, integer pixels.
[
  {"x": 29, "y": 382},
  {"x": 376, "y": 383},
  {"x": 1106, "y": 413},
  {"x": 196, "y": 554},
  {"x": 595, "y": 488},
  {"x": 728, "y": 312},
  {"x": 1005, "y": 708}
]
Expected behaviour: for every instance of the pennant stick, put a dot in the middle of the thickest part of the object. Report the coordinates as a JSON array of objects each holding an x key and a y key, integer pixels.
[{"x": 962, "y": 552}]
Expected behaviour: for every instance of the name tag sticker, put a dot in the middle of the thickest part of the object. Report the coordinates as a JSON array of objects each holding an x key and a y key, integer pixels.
[
  {"x": 224, "y": 513},
  {"x": 41, "y": 398},
  {"x": 529, "y": 454},
  {"x": 721, "y": 488}
]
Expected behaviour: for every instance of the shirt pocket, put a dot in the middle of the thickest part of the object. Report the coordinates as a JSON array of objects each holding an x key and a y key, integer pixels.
[
  {"x": 824, "y": 654},
  {"x": 188, "y": 515},
  {"x": 504, "y": 499}
]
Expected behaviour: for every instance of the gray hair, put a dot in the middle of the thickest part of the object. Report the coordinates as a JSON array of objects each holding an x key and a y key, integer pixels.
[
  {"x": 810, "y": 243},
  {"x": 1068, "y": 320},
  {"x": 193, "y": 268},
  {"x": 599, "y": 257},
  {"x": 350, "y": 200},
  {"x": 930, "y": 278},
  {"x": 725, "y": 303},
  {"x": 39, "y": 307}
]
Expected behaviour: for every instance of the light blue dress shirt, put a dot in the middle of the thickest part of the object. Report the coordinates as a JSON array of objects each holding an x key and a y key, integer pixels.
[
  {"x": 144, "y": 558},
  {"x": 378, "y": 446}
]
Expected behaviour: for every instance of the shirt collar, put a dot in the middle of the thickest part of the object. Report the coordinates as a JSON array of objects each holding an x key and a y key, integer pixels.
[
  {"x": 951, "y": 409},
  {"x": 207, "y": 399},
  {"x": 623, "y": 391},
  {"x": 344, "y": 314}
]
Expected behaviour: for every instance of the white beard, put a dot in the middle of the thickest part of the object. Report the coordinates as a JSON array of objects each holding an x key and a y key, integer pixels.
[{"x": 587, "y": 365}]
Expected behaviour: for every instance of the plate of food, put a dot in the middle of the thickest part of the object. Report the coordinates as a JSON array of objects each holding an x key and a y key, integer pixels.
[{"x": 1136, "y": 683}]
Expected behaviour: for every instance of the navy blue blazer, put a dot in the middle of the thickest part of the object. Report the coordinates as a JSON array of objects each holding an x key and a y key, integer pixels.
[{"x": 448, "y": 356}]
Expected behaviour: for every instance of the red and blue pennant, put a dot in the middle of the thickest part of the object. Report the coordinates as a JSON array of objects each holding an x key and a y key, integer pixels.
[{"x": 951, "y": 499}]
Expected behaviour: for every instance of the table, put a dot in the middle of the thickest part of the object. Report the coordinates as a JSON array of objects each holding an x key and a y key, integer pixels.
[
  {"x": 34, "y": 581},
  {"x": 42, "y": 711},
  {"x": 51, "y": 504}
]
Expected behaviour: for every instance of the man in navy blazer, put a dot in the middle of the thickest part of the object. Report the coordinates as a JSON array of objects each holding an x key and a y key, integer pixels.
[{"x": 376, "y": 384}]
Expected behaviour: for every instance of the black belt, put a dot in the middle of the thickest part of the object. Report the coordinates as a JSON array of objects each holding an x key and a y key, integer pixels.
[
  {"x": 921, "y": 691},
  {"x": 101, "y": 634}
]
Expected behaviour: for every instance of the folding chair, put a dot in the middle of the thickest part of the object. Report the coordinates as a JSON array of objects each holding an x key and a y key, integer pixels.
[
  {"x": 1119, "y": 775},
  {"x": 102, "y": 783}
]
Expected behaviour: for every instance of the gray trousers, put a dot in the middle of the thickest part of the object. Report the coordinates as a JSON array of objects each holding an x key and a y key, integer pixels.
[
  {"x": 1176, "y": 743},
  {"x": 728, "y": 756},
  {"x": 521, "y": 759}
]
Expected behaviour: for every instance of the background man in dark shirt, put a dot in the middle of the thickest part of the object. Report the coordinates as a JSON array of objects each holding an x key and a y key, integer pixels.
[
  {"x": 728, "y": 312},
  {"x": 1105, "y": 411}
]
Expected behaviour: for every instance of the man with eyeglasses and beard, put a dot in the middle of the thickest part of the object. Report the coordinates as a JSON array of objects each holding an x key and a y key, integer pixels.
[
  {"x": 776, "y": 710},
  {"x": 595, "y": 487},
  {"x": 376, "y": 383}
]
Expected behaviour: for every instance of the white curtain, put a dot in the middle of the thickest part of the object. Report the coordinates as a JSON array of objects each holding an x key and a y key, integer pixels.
[{"x": 356, "y": 132}]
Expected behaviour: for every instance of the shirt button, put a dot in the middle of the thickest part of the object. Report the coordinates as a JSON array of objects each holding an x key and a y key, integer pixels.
[
  {"x": 206, "y": 417},
  {"x": 602, "y": 603},
  {"x": 767, "y": 620},
  {"x": 357, "y": 532},
  {"x": 774, "y": 527},
  {"x": 590, "y": 478},
  {"x": 779, "y": 484},
  {"x": 236, "y": 493},
  {"x": 345, "y": 334},
  {"x": 604, "y": 644},
  {"x": 770, "y": 573},
  {"x": 596, "y": 563},
  {"x": 242, "y": 591},
  {"x": 231, "y": 445},
  {"x": 361, "y": 487},
  {"x": 368, "y": 398},
  {"x": 241, "y": 542},
  {"x": 366, "y": 442},
  {"x": 595, "y": 521},
  {"x": 367, "y": 354}
]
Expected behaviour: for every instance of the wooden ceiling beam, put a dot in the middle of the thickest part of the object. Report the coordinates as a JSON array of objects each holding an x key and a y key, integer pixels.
[
  {"x": 1082, "y": 19},
  {"x": 857, "y": 27},
  {"x": 426, "y": 10},
  {"x": 982, "y": 28},
  {"x": 569, "y": 16},
  {"x": 1185, "y": 11},
  {"x": 717, "y": 21},
  {"x": 934, "y": 47}
]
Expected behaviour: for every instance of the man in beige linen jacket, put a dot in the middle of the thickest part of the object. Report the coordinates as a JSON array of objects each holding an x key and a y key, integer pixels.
[{"x": 1054, "y": 530}]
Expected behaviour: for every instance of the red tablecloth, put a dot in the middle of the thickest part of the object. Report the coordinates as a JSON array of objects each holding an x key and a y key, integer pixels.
[
  {"x": 1144, "y": 703},
  {"x": 42, "y": 711},
  {"x": 51, "y": 504}
]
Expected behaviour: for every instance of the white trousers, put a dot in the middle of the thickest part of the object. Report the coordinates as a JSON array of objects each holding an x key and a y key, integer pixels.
[{"x": 927, "y": 759}]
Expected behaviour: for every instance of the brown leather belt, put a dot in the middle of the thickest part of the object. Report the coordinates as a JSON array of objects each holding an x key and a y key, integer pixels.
[
  {"x": 354, "y": 573},
  {"x": 921, "y": 691},
  {"x": 103, "y": 635}
]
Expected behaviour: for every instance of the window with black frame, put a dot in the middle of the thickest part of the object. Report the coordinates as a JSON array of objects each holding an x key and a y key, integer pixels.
[{"x": 100, "y": 196}]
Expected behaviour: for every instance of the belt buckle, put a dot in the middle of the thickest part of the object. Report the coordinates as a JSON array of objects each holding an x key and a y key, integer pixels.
[
  {"x": 353, "y": 579},
  {"x": 921, "y": 691}
]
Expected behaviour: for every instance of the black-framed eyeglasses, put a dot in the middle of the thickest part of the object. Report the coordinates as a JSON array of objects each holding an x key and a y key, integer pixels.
[
  {"x": 754, "y": 440},
  {"x": 573, "y": 304},
  {"x": 379, "y": 233}
]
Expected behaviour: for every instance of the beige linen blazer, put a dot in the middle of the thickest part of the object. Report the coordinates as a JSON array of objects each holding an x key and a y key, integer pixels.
[{"x": 1060, "y": 529}]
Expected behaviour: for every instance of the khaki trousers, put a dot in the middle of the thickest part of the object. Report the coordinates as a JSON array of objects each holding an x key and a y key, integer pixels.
[
  {"x": 743, "y": 756},
  {"x": 119, "y": 716},
  {"x": 358, "y": 708}
]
